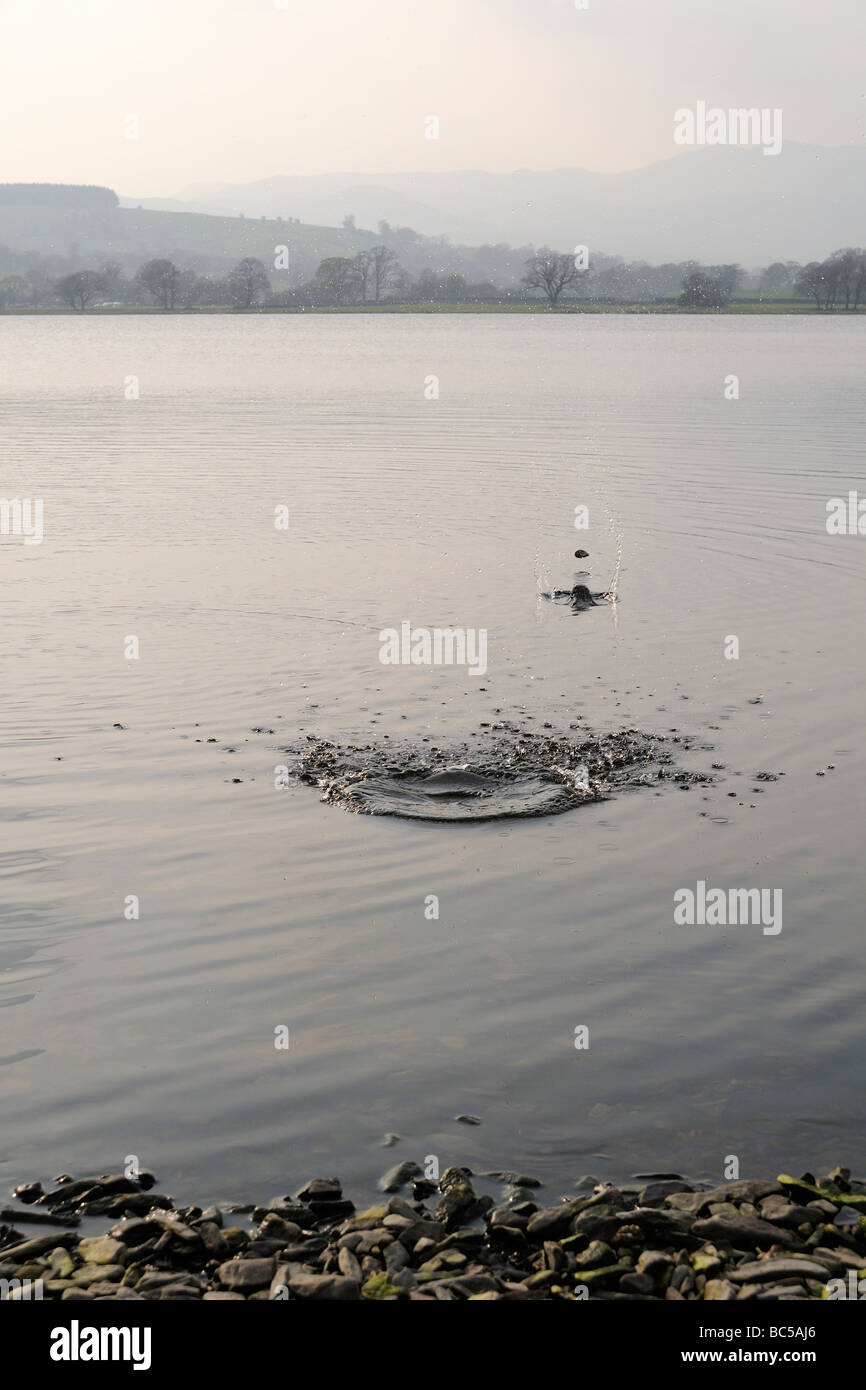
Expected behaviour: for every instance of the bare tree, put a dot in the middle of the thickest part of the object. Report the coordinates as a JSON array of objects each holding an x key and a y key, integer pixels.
[
  {"x": 811, "y": 282},
  {"x": 779, "y": 275},
  {"x": 14, "y": 289},
  {"x": 113, "y": 284},
  {"x": 841, "y": 279},
  {"x": 337, "y": 279},
  {"x": 551, "y": 272},
  {"x": 859, "y": 280},
  {"x": 702, "y": 291},
  {"x": 248, "y": 283},
  {"x": 79, "y": 289},
  {"x": 363, "y": 264},
  {"x": 384, "y": 264},
  {"x": 847, "y": 273},
  {"x": 192, "y": 289},
  {"x": 159, "y": 279}
]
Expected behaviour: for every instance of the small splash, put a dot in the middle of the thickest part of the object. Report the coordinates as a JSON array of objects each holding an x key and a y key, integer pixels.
[
  {"x": 578, "y": 598},
  {"x": 611, "y": 593},
  {"x": 516, "y": 773}
]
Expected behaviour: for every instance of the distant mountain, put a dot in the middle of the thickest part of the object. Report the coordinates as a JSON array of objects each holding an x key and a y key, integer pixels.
[{"x": 717, "y": 204}]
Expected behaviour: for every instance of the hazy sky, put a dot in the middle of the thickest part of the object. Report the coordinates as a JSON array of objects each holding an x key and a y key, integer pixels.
[{"x": 235, "y": 90}]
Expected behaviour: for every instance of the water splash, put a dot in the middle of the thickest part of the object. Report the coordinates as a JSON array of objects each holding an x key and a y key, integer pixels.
[
  {"x": 611, "y": 592},
  {"x": 512, "y": 772}
]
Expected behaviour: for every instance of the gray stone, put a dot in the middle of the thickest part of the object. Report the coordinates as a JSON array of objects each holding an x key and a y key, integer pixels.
[
  {"x": 321, "y": 1190},
  {"x": 654, "y": 1194},
  {"x": 551, "y": 1223},
  {"x": 659, "y": 1225},
  {"x": 348, "y": 1265},
  {"x": 744, "y": 1232},
  {"x": 400, "y": 1175},
  {"x": 457, "y": 1201},
  {"x": 847, "y": 1216},
  {"x": 135, "y": 1230},
  {"x": 513, "y": 1179},
  {"x": 211, "y": 1214},
  {"x": 275, "y": 1227},
  {"x": 398, "y": 1206},
  {"x": 636, "y": 1283},
  {"x": 324, "y": 1286},
  {"x": 102, "y": 1250},
  {"x": 396, "y": 1257},
  {"x": 742, "y": 1190},
  {"x": 596, "y": 1254},
  {"x": 212, "y": 1240},
  {"x": 784, "y": 1213},
  {"x": 760, "y": 1271},
  {"x": 27, "y": 1192},
  {"x": 40, "y": 1245},
  {"x": 690, "y": 1202},
  {"x": 289, "y": 1210},
  {"x": 157, "y": 1279},
  {"x": 91, "y": 1274},
  {"x": 508, "y": 1216},
  {"x": 654, "y": 1262},
  {"x": 848, "y": 1258},
  {"x": 719, "y": 1291},
  {"x": 373, "y": 1240},
  {"x": 246, "y": 1274},
  {"x": 599, "y": 1223}
]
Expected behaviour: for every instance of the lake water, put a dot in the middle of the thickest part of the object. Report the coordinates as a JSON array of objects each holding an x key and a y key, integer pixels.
[{"x": 261, "y": 907}]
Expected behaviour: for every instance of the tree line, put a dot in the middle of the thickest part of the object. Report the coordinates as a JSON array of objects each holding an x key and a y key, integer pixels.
[
  {"x": 837, "y": 283},
  {"x": 375, "y": 276}
]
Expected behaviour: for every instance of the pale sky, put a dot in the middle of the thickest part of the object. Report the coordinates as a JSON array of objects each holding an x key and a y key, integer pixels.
[{"x": 228, "y": 91}]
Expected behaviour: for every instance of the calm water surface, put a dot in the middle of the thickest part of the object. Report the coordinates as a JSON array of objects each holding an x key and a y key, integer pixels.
[{"x": 261, "y": 907}]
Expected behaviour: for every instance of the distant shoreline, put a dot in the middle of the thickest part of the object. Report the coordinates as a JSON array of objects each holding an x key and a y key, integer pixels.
[{"x": 773, "y": 308}]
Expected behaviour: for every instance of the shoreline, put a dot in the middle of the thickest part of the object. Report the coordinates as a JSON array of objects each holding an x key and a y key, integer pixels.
[
  {"x": 664, "y": 1239},
  {"x": 676, "y": 310}
]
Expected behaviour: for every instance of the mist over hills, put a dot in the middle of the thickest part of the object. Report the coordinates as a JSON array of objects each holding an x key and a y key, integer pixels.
[
  {"x": 716, "y": 204},
  {"x": 70, "y": 232}
]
